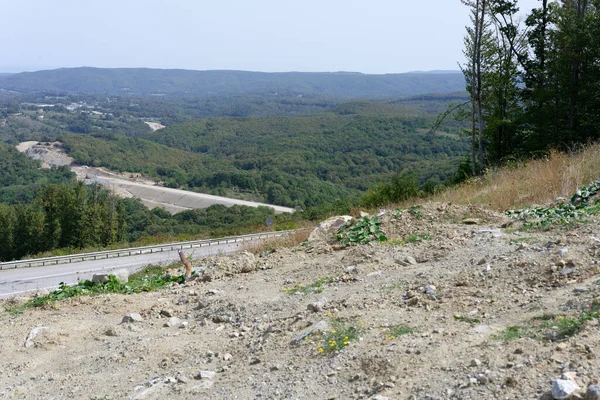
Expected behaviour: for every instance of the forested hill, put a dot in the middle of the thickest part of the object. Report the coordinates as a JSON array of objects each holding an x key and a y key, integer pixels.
[{"x": 145, "y": 82}]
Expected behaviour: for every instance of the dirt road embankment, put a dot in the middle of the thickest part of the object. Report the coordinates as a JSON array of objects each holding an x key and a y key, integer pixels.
[{"x": 133, "y": 185}]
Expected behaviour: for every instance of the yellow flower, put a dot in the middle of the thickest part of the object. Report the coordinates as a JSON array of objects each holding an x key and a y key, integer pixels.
[
  {"x": 345, "y": 343},
  {"x": 332, "y": 331},
  {"x": 320, "y": 349}
]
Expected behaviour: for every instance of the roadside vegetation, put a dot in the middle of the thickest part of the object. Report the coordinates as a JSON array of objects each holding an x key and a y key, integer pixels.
[{"x": 149, "y": 279}]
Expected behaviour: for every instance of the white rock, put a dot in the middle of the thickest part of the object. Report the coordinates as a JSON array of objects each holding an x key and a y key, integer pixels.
[
  {"x": 563, "y": 389},
  {"x": 121, "y": 274},
  {"x": 33, "y": 333},
  {"x": 132, "y": 317},
  {"x": 173, "y": 322},
  {"x": 205, "y": 375}
]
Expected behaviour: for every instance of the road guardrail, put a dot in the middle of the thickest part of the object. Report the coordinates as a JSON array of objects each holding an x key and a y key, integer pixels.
[{"x": 133, "y": 251}]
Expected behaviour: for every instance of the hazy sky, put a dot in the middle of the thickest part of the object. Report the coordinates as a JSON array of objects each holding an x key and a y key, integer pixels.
[{"x": 371, "y": 36}]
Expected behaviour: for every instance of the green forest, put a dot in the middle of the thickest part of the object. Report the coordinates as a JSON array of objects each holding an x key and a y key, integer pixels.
[
  {"x": 534, "y": 85},
  {"x": 322, "y": 142}
]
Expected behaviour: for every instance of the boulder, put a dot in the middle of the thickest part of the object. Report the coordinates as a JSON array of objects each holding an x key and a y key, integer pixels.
[{"x": 328, "y": 227}]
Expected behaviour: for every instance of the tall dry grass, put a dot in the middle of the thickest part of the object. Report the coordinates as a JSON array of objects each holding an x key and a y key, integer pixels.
[
  {"x": 533, "y": 182},
  {"x": 266, "y": 246}
]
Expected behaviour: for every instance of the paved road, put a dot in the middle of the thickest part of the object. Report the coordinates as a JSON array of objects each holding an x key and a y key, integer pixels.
[{"x": 16, "y": 282}]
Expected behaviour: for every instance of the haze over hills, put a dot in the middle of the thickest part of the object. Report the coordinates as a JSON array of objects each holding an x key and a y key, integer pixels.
[{"x": 176, "y": 82}]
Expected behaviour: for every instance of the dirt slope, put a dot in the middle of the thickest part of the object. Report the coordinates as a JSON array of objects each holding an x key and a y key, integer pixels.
[{"x": 241, "y": 327}]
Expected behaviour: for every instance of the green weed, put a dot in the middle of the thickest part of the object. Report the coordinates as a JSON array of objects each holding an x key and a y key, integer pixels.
[
  {"x": 365, "y": 230},
  {"x": 512, "y": 333},
  {"x": 399, "y": 330},
  {"x": 147, "y": 280},
  {"x": 316, "y": 287},
  {"x": 563, "y": 214},
  {"x": 340, "y": 337}
]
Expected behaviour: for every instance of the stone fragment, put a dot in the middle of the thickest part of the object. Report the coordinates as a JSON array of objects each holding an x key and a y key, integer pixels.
[
  {"x": 173, "y": 322},
  {"x": 563, "y": 388},
  {"x": 475, "y": 363},
  {"x": 132, "y": 317},
  {"x": 33, "y": 333},
  {"x": 410, "y": 260},
  {"x": 593, "y": 393},
  {"x": 167, "y": 313},
  {"x": 470, "y": 221},
  {"x": 100, "y": 278},
  {"x": 320, "y": 326},
  {"x": 430, "y": 289},
  {"x": 111, "y": 332},
  {"x": 205, "y": 375},
  {"x": 316, "y": 306}
]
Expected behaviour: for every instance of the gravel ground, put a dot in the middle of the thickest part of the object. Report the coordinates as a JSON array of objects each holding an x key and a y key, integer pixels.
[{"x": 475, "y": 312}]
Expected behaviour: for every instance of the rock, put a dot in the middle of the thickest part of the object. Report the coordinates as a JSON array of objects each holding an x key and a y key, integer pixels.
[
  {"x": 227, "y": 357},
  {"x": 410, "y": 260},
  {"x": 561, "y": 346},
  {"x": 471, "y": 221},
  {"x": 593, "y": 393},
  {"x": 122, "y": 274},
  {"x": 167, "y": 313},
  {"x": 379, "y": 397},
  {"x": 567, "y": 271},
  {"x": 320, "y": 326},
  {"x": 111, "y": 332},
  {"x": 133, "y": 317},
  {"x": 563, "y": 389},
  {"x": 475, "y": 363},
  {"x": 205, "y": 375},
  {"x": 429, "y": 289},
  {"x": 482, "y": 261},
  {"x": 316, "y": 306},
  {"x": 363, "y": 214},
  {"x": 328, "y": 227},
  {"x": 581, "y": 289},
  {"x": 173, "y": 322},
  {"x": 33, "y": 333},
  {"x": 100, "y": 278},
  {"x": 414, "y": 301},
  {"x": 254, "y": 361},
  {"x": 351, "y": 270},
  {"x": 184, "y": 325}
]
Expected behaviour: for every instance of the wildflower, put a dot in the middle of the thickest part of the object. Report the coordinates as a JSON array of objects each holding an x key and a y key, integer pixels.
[
  {"x": 320, "y": 349},
  {"x": 345, "y": 343}
]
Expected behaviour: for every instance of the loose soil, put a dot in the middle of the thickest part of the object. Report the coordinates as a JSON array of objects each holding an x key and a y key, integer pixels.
[{"x": 416, "y": 341}]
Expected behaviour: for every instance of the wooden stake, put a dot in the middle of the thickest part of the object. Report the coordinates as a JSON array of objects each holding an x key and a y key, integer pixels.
[{"x": 188, "y": 266}]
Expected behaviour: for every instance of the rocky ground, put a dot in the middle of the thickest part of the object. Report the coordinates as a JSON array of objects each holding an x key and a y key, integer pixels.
[{"x": 468, "y": 312}]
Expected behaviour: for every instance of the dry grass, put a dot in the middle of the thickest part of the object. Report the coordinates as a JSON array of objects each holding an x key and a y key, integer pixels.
[
  {"x": 534, "y": 182},
  {"x": 266, "y": 246}
]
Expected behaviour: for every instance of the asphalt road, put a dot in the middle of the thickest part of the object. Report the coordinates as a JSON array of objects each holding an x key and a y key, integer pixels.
[{"x": 20, "y": 281}]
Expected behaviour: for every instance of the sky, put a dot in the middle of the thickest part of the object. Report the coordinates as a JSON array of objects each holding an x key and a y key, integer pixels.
[{"x": 369, "y": 36}]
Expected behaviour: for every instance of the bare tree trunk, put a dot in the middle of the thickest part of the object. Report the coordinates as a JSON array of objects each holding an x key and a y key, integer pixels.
[
  {"x": 476, "y": 38},
  {"x": 479, "y": 82}
]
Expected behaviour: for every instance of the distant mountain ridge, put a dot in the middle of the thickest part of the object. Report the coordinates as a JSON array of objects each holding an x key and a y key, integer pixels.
[{"x": 178, "y": 82}]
